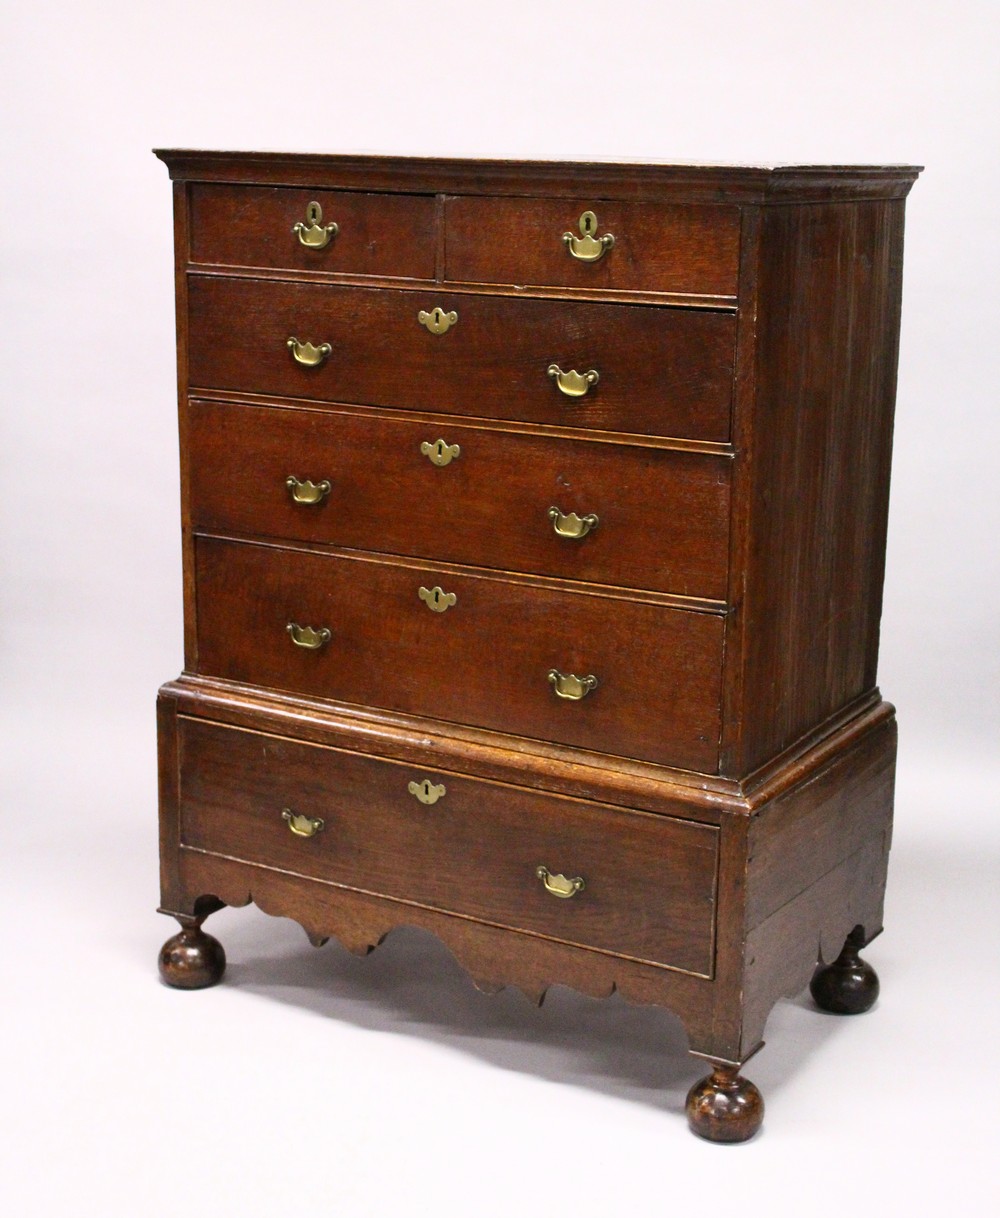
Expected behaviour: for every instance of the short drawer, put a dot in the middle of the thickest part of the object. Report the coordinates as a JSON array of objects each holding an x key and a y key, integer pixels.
[
  {"x": 645, "y": 884},
  {"x": 583, "y": 510},
  {"x": 692, "y": 249},
  {"x": 479, "y": 650},
  {"x": 641, "y": 369},
  {"x": 289, "y": 229}
]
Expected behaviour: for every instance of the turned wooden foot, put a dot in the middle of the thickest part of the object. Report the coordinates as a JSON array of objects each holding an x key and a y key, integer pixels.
[
  {"x": 724, "y": 1106},
  {"x": 848, "y": 986},
  {"x": 191, "y": 959}
]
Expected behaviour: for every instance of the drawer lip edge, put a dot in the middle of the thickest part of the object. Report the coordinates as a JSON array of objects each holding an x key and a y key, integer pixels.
[
  {"x": 724, "y": 303},
  {"x": 556, "y": 769},
  {"x": 584, "y": 435},
  {"x": 702, "y": 605}
]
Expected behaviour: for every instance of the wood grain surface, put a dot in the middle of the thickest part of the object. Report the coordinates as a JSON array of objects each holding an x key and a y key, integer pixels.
[
  {"x": 663, "y": 516},
  {"x": 484, "y": 661},
  {"x": 657, "y": 248},
  {"x": 251, "y": 226},
  {"x": 662, "y": 371}
]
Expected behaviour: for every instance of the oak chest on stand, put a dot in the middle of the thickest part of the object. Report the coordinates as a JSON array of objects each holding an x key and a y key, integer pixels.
[{"x": 534, "y": 521}]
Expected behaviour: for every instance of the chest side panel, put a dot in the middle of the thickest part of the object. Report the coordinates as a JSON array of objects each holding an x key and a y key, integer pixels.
[{"x": 819, "y": 446}]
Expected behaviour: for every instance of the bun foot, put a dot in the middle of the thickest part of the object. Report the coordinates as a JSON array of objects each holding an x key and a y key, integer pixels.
[
  {"x": 848, "y": 986},
  {"x": 192, "y": 960},
  {"x": 725, "y": 1107}
]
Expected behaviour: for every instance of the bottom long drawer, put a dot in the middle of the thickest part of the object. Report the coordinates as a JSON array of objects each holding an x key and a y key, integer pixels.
[{"x": 638, "y": 885}]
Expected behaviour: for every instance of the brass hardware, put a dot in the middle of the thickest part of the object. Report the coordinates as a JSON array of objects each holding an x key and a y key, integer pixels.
[
  {"x": 588, "y": 247},
  {"x": 572, "y": 525},
  {"x": 439, "y": 452},
  {"x": 568, "y": 685},
  {"x": 437, "y": 320},
  {"x": 314, "y": 233},
  {"x": 302, "y": 826},
  {"x": 559, "y": 885},
  {"x": 427, "y": 792},
  {"x": 306, "y": 354},
  {"x": 574, "y": 384},
  {"x": 307, "y": 637},
  {"x": 437, "y": 599},
  {"x": 307, "y": 492}
]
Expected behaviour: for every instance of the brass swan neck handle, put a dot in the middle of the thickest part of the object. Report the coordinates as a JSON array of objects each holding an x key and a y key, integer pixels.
[
  {"x": 307, "y": 354},
  {"x": 560, "y": 885},
  {"x": 313, "y": 233},
  {"x": 588, "y": 247},
  {"x": 572, "y": 525},
  {"x": 572, "y": 383},
  {"x": 571, "y": 687}
]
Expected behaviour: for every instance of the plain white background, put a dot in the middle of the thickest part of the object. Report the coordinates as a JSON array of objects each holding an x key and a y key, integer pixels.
[{"x": 313, "y": 1082}]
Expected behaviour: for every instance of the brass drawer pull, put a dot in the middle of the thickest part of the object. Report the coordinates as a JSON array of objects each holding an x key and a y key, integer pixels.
[
  {"x": 568, "y": 685},
  {"x": 437, "y": 320},
  {"x": 314, "y": 234},
  {"x": 572, "y": 525},
  {"x": 574, "y": 384},
  {"x": 302, "y": 826},
  {"x": 588, "y": 247},
  {"x": 437, "y": 599},
  {"x": 427, "y": 792},
  {"x": 306, "y": 354},
  {"x": 307, "y": 637},
  {"x": 307, "y": 492},
  {"x": 440, "y": 453},
  {"x": 559, "y": 885}
]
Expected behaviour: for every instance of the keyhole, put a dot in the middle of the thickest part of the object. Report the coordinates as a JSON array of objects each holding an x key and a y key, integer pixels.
[
  {"x": 588, "y": 223},
  {"x": 314, "y": 213}
]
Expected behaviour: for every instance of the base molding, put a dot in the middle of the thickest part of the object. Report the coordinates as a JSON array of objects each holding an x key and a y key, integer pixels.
[{"x": 522, "y": 762}]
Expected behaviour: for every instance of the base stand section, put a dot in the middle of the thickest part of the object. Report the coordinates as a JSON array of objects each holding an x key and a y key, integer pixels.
[
  {"x": 848, "y": 986},
  {"x": 724, "y": 1106},
  {"x": 192, "y": 960}
]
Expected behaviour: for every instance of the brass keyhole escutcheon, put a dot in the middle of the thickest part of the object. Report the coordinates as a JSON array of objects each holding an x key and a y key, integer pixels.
[
  {"x": 437, "y": 320},
  {"x": 588, "y": 247},
  {"x": 314, "y": 234},
  {"x": 439, "y": 453},
  {"x": 436, "y": 599},
  {"x": 427, "y": 792},
  {"x": 302, "y": 826}
]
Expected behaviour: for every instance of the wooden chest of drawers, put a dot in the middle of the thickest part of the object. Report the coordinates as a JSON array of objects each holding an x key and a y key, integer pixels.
[{"x": 534, "y": 521}]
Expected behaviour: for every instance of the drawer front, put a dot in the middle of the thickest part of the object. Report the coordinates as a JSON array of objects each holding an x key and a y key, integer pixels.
[
  {"x": 662, "y": 517},
  {"x": 657, "y": 248},
  {"x": 664, "y": 372},
  {"x": 483, "y": 660},
  {"x": 648, "y": 882},
  {"x": 255, "y": 226}
]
